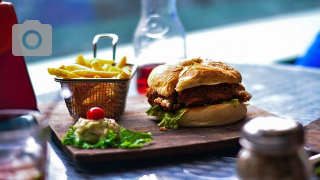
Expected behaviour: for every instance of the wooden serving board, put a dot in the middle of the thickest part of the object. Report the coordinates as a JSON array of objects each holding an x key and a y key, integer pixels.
[
  {"x": 169, "y": 142},
  {"x": 312, "y": 135}
]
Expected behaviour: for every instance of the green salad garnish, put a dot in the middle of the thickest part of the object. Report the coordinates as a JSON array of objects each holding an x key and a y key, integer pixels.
[{"x": 125, "y": 139}]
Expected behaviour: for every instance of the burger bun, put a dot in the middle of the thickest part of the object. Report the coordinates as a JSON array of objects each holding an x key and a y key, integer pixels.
[
  {"x": 213, "y": 115},
  {"x": 169, "y": 78}
]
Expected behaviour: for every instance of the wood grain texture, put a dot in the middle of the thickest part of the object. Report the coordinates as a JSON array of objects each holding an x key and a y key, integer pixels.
[
  {"x": 312, "y": 135},
  {"x": 169, "y": 142}
]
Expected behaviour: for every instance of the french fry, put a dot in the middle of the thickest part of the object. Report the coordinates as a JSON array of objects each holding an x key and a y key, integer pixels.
[
  {"x": 115, "y": 69},
  {"x": 122, "y": 62},
  {"x": 106, "y": 67},
  {"x": 98, "y": 98},
  {"x": 103, "y": 61},
  {"x": 92, "y": 73},
  {"x": 93, "y": 68},
  {"x": 96, "y": 66},
  {"x": 73, "y": 67},
  {"x": 124, "y": 74},
  {"x": 100, "y": 94},
  {"x": 128, "y": 68},
  {"x": 81, "y": 61},
  {"x": 80, "y": 92},
  {"x": 62, "y": 66},
  {"x": 62, "y": 73}
]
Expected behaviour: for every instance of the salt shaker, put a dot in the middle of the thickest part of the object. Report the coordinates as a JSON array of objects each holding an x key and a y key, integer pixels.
[
  {"x": 272, "y": 148},
  {"x": 159, "y": 38}
]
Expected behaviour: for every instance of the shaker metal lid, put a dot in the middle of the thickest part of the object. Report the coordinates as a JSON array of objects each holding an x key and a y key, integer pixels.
[{"x": 273, "y": 132}]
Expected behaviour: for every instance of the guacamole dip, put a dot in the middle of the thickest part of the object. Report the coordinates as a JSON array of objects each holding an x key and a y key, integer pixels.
[{"x": 92, "y": 131}]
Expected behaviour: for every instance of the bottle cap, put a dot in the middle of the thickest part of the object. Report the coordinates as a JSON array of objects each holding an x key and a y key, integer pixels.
[{"x": 272, "y": 133}]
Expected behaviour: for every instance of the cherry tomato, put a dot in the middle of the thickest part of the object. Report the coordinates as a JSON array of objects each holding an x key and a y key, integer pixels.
[{"x": 95, "y": 113}]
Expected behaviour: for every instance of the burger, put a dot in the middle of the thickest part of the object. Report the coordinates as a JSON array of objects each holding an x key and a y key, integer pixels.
[{"x": 196, "y": 93}]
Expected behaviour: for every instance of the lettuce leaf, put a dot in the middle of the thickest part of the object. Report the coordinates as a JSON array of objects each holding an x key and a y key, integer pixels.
[
  {"x": 154, "y": 110},
  {"x": 130, "y": 139},
  {"x": 167, "y": 119},
  {"x": 170, "y": 119},
  {"x": 127, "y": 139},
  {"x": 232, "y": 101}
]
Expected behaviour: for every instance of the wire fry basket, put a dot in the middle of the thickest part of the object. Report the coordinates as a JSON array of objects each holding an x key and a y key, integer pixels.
[
  {"x": 82, "y": 94},
  {"x": 110, "y": 94}
]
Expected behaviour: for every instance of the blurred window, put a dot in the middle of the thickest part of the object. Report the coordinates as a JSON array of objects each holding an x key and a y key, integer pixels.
[{"x": 76, "y": 22}]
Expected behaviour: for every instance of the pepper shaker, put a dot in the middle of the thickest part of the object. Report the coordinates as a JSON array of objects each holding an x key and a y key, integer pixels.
[{"x": 272, "y": 148}]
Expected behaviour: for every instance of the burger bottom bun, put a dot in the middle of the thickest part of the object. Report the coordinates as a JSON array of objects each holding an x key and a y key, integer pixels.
[{"x": 214, "y": 115}]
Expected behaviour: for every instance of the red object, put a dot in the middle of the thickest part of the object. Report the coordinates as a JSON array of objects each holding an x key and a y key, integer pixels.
[
  {"x": 95, "y": 113},
  {"x": 142, "y": 77},
  {"x": 16, "y": 91}
]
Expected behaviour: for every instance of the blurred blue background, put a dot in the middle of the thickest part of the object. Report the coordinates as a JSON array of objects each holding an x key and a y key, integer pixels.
[{"x": 76, "y": 22}]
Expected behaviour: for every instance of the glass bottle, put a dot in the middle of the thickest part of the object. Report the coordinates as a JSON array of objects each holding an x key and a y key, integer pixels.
[
  {"x": 159, "y": 38},
  {"x": 272, "y": 148}
]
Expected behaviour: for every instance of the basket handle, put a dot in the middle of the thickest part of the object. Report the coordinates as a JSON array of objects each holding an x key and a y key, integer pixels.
[{"x": 114, "y": 43}]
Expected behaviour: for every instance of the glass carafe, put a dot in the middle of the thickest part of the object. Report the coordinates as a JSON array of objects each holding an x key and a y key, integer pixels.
[{"x": 159, "y": 38}]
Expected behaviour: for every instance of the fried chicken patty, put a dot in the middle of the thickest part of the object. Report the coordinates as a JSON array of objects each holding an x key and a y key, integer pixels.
[{"x": 198, "y": 96}]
